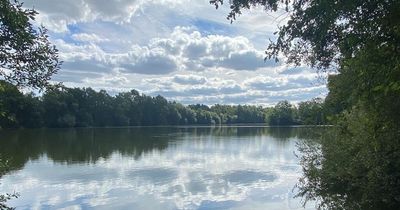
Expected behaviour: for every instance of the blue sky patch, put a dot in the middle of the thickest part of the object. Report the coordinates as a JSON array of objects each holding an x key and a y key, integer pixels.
[{"x": 207, "y": 27}]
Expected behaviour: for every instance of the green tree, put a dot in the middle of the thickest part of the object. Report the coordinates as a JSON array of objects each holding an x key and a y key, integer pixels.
[
  {"x": 102, "y": 109},
  {"x": 281, "y": 114},
  {"x": 188, "y": 116},
  {"x": 174, "y": 116},
  {"x": 10, "y": 104},
  {"x": 311, "y": 112},
  {"x": 250, "y": 114},
  {"x": 31, "y": 113},
  {"x": 27, "y": 58}
]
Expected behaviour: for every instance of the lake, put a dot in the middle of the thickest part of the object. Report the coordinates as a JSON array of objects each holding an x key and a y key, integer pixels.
[{"x": 231, "y": 167}]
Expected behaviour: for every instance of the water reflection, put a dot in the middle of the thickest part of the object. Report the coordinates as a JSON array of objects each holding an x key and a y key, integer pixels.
[{"x": 152, "y": 168}]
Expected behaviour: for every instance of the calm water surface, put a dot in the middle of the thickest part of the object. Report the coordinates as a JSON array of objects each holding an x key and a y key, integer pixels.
[{"x": 152, "y": 168}]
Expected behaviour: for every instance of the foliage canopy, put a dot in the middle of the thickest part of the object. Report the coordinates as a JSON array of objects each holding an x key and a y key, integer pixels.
[
  {"x": 322, "y": 33},
  {"x": 27, "y": 58},
  {"x": 357, "y": 166}
]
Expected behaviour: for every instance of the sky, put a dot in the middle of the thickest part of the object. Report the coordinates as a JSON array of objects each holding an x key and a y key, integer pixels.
[{"x": 184, "y": 50}]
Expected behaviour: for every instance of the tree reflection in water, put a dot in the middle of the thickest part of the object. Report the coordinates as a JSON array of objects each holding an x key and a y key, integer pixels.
[{"x": 203, "y": 166}]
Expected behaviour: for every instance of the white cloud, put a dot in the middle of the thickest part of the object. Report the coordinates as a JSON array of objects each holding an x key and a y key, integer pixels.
[
  {"x": 151, "y": 63},
  {"x": 84, "y": 37},
  {"x": 191, "y": 54},
  {"x": 189, "y": 79},
  {"x": 246, "y": 60},
  {"x": 185, "y": 49},
  {"x": 281, "y": 82},
  {"x": 58, "y": 14},
  {"x": 198, "y": 52}
]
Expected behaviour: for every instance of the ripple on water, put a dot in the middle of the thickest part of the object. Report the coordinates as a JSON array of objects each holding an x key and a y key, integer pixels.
[
  {"x": 247, "y": 177},
  {"x": 155, "y": 175}
]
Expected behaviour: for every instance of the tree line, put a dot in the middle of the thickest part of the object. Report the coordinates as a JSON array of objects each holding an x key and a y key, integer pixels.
[{"x": 60, "y": 106}]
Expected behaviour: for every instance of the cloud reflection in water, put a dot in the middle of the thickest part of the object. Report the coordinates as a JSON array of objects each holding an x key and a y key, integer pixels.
[{"x": 195, "y": 170}]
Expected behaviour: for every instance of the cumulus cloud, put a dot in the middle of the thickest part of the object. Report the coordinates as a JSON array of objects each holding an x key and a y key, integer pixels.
[
  {"x": 185, "y": 49},
  {"x": 247, "y": 60},
  {"x": 84, "y": 37},
  {"x": 75, "y": 76},
  {"x": 164, "y": 47},
  {"x": 294, "y": 70},
  {"x": 258, "y": 90},
  {"x": 199, "y": 52},
  {"x": 265, "y": 83},
  {"x": 276, "y": 83},
  {"x": 88, "y": 65},
  {"x": 57, "y": 15},
  {"x": 152, "y": 63},
  {"x": 189, "y": 79}
]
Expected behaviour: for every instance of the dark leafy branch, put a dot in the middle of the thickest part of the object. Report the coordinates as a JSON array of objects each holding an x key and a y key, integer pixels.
[
  {"x": 322, "y": 33},
  {"x": 27, "y": 58}
]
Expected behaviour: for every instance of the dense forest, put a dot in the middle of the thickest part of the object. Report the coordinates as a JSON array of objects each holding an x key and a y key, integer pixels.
[{"x": 60, "y": 106}]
